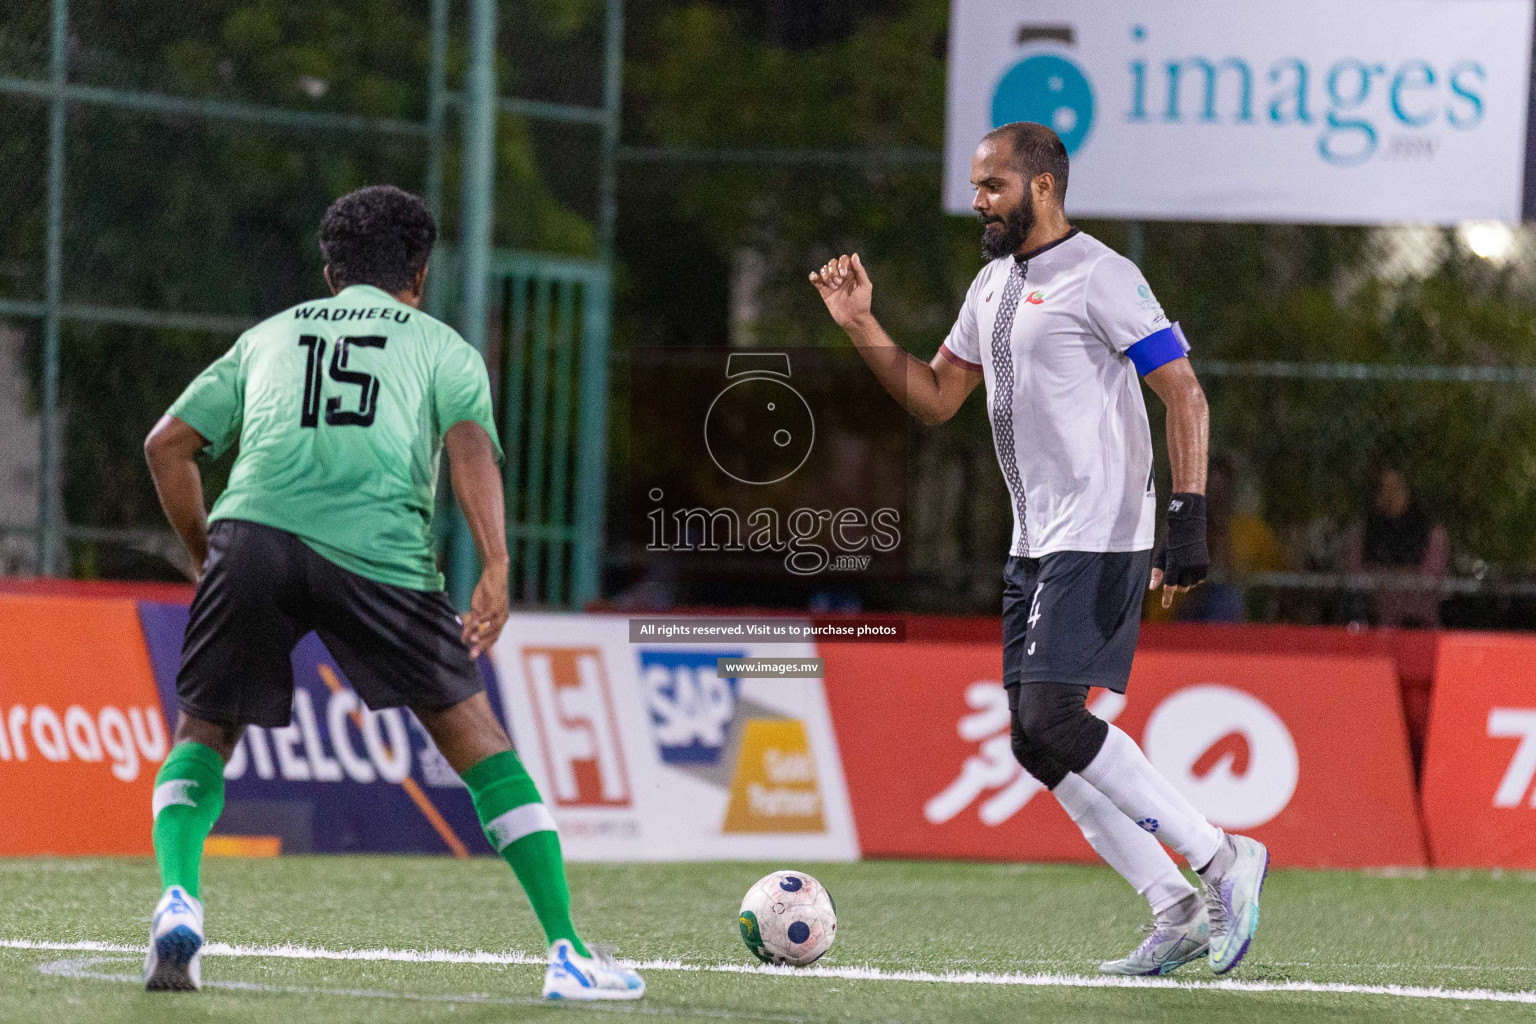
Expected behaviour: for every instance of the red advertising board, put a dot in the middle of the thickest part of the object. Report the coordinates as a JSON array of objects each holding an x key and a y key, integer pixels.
[
  {"x": 1307, "y": 754},
  {"x": 81, "y": 731},
  {"x": 1480, "y": 758}
]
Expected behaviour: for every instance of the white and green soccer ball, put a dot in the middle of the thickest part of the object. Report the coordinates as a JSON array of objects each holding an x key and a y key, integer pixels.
[{"x": 788, "y": 918}]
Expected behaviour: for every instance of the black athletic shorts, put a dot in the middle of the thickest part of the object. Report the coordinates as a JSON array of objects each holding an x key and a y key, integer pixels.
[
  {"x": 264, "y": 589},
  {"x": 1073, "y": 617}
]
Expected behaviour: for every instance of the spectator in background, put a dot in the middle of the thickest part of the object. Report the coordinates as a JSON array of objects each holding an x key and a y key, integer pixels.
[
  {"x": 1241, "y": 542},
  {"x": 1400, "y": 541}
]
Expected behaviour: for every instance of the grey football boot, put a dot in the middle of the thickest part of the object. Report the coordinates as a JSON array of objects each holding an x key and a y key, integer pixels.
[
  {"x": 1231, "y": 895},
  {"x": 1174, "y": 938}
]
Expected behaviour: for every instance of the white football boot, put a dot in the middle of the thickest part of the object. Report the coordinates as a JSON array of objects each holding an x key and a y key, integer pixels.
[
  {"x": 585, "y": 978},
  {"x": 174, "y": 962}
]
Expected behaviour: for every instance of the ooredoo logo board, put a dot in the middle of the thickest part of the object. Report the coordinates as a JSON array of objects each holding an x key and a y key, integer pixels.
[
  {"x": 1480, "y": 756},
  {"x": 1283, "y": 748},
  {"x": 1227, "y": 751},
  {"x": 81, "y": 728}
]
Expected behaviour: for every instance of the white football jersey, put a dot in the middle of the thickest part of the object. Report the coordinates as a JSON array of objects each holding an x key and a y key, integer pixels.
[{"x": 1059, "y": 334}]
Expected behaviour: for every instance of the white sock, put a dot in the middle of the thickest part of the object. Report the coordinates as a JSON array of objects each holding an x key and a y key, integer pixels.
[
  {"x": 1123, "y": 774},
  {"x": 1124, "y": 845}
]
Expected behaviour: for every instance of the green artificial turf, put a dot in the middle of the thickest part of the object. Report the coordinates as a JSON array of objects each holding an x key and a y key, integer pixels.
[{"x": 1455, "y": 930}]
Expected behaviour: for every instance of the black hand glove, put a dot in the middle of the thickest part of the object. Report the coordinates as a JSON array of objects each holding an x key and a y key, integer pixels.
[{"x": 1184, "y": 558}]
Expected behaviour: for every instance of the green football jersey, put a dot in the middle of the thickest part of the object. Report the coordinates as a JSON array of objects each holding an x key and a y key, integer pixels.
[{"x": 340, "y": 406}]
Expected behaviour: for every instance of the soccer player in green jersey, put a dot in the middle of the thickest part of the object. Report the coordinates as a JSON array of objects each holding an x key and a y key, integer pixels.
[{"x": 341, "y": 408}]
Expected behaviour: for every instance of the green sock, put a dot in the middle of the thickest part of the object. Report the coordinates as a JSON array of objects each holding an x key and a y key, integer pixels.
[
  {"x": 521, "y": 829},
  {"x": 189, "y": 794}
]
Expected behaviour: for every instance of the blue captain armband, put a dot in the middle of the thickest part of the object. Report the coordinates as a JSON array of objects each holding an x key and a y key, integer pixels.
[{"x": 1158, "y": 349}]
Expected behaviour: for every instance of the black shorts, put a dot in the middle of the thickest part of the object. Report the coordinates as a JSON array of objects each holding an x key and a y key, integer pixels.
[
  {"x": 1073, "y": 617},
  {"x": 264, "y": 589}
]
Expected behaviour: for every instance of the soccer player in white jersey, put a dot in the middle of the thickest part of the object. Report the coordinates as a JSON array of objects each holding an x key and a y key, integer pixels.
[{"x": 1058, "y": 326}]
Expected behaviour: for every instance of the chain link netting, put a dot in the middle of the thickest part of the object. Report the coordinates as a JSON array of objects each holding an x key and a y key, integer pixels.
[{"x": 202, "y": 144}]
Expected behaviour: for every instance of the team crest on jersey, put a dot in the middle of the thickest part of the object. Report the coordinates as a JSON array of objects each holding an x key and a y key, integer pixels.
[{"x": 1035, "y": 298}]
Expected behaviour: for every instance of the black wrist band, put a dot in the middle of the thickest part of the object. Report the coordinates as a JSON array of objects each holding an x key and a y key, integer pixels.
[{"x": 1186, "y": 506}]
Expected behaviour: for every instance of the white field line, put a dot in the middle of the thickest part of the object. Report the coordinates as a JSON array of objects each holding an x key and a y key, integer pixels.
[
  {"x": 82, "y": 969},
  {"x": 448, "y": 956}
]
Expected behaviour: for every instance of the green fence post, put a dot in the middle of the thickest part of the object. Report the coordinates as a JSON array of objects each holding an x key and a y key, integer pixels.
[
  {"x": 560, "y": 453},
  {"x": 476, "y": 203},
  {"x": 538, "y": 422},
  {"x": 613, "y": 97},
  {"x": 514, "y": 362},
  {"x": 50, "y": 504},
  {"x": 437, "y": 108},
  {"x": 592, "y": 442}
]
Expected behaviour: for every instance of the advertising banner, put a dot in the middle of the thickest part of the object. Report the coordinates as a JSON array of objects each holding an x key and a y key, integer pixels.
[
  {"x": 643, "y": 751},
  {"x": 1307, "y": 754},
  {"x": 339, "y": 778},
  {"x": 81, "y": 735},
  {"x": 1480, "y": 757},
  {"x": 1365, "y": 112}
]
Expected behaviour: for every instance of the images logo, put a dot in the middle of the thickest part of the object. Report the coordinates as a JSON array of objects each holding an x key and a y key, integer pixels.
[
  {"x": 1046, "y": 87},
  {"x": 1398, "y": 109},
  {"x": 1390, "y": 110},
  {"x": 573, "y": 706},
  {"x": 773, "y": 489},
  {"x": 759, "y": 429},
  {"x": 690, "y": 706}
]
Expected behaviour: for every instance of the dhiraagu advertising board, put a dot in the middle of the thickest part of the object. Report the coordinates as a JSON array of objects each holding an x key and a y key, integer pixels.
[
  {"x": 645, "y": 751},
  {"x": 1370, "y": 111}
]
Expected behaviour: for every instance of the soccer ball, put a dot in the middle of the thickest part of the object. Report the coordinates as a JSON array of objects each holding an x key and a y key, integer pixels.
[{"x": 788, "y": 918}]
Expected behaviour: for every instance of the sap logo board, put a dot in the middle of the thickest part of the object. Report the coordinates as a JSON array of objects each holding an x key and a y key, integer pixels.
[
  {"x": 691, "y": 707},
  {"x": 573, "y": 709}
]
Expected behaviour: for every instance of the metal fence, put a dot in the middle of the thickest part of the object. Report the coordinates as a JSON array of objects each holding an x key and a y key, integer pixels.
[
  {"x": 1329, "y": 354},
  {"x": 129, "y": 82}
]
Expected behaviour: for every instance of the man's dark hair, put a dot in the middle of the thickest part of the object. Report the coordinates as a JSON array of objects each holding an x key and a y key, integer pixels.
[
  {"x": 1036, "y": 150},
  {"x": 379, "y": 235}
]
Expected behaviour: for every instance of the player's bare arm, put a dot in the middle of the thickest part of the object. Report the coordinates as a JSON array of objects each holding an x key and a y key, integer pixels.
[
  {"x": 171, "y": 451},
  {"x": 1189, "y": 441},
  {"x": 478, "y": 488},
  {"x": 933, "y": 392}
]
